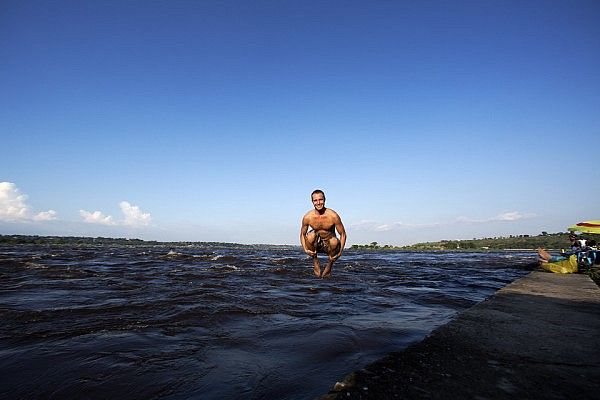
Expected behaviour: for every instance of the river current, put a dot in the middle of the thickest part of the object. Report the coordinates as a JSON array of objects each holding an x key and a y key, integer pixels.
[{"x": 220, "y": 322}]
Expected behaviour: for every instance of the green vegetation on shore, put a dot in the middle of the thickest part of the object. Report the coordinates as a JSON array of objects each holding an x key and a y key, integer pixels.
[
  {"x": 524, "y": 242},
  {"x": 102, "y": 241},
  {"x": 519, "y": 242},
  {"x": 70, "y": 240}
]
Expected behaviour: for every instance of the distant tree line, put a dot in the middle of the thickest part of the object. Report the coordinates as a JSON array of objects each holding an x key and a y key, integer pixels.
[
  {"x": 372, "y": 246},
  {"x": 71, "y": 240},
  {"x": 546, "y": 240},
  {"x": 103, "y": 241}
]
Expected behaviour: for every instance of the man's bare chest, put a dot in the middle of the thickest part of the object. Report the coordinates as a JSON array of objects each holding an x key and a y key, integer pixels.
[{"x": 322, "y": 222}]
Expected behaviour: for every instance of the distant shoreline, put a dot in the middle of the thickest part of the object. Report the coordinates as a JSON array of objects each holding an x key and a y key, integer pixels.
[
  {"x": 100, "y": 241},
  {"x": 552, "y": 242},
  {"x": 28, "y": 240}
]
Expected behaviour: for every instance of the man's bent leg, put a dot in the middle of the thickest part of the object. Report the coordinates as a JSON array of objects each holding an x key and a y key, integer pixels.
[
  {"x": 311, "y": 244},
  {"x": 543, "y": 254},
  {"x": 334, "y": 244},
  {"x": 311, "y": 240}
]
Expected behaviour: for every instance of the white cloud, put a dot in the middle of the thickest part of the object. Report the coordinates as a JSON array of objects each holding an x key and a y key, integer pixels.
[
  {"x": 513, "y": 216},
  {"x": 507, "y": 216},
  {"x": 383, "y": 228},
  {"x": 378, "y": 226},
  {"x": 96, "y": 217},
  {"x": 462, "y": 218},
  {"x": 133, "y": 215},
  {"x": 12, "y": 203},
  {"x": 374, "y": 226},
  {"x": 49, "y": 215},
  {"x": 364, "y": 225},
  {"x": 14, "y": 207}
]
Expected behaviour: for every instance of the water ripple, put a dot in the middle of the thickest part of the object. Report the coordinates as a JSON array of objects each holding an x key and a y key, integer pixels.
[{"x": 219, "y": 322}]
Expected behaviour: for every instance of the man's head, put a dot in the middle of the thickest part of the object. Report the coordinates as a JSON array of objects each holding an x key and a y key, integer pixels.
[{"x": 318, "y": 199}]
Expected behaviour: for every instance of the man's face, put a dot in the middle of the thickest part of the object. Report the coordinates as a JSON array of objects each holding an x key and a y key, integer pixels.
[{"x": 318, "y": 201}]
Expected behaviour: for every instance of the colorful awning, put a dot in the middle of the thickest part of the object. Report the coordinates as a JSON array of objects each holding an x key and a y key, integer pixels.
[{"x": 586, "y": 227}]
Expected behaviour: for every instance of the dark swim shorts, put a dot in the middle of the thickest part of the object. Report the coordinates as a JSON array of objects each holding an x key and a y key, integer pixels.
[{"x": 322, "y": 246}]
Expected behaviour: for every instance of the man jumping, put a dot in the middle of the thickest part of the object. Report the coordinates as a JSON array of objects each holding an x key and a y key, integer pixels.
[{"x": 321, "y": 238}]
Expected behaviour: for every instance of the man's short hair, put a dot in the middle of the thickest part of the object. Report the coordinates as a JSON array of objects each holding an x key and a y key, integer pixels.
[{"x": 316, "y": 191}]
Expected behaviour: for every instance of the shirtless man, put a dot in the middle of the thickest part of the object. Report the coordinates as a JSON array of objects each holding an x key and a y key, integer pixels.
[{"x": 321, "y": 238}]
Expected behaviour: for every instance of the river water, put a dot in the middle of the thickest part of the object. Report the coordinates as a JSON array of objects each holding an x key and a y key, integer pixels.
[{"x": 220, "y": 322}]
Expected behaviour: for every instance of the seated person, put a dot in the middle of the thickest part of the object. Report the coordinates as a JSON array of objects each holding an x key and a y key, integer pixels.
[
  {"x": 577, "y": 245},
  {"x": 586, "y": 256},
  {"x": 545, "y": 257}
]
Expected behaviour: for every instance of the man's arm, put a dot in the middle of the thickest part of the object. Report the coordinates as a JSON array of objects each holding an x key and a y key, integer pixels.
[
  {"x": 303, "y": 230},
  {"x": 339, "y": 226}
]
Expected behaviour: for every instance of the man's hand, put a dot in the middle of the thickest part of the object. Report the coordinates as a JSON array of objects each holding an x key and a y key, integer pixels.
[
  {"x": 335, "y": 257},
  {"x": 313, "y": 254}
]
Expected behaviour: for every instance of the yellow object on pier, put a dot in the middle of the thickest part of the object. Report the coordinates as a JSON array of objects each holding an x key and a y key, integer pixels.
[{"x": 568, "y": 266}]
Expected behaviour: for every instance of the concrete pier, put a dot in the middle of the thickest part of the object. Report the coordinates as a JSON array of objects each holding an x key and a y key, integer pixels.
[{"x": 537, "y": 338}]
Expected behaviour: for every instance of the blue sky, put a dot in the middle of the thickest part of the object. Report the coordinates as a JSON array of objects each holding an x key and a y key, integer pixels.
[{"x": 214, "y": 120}]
